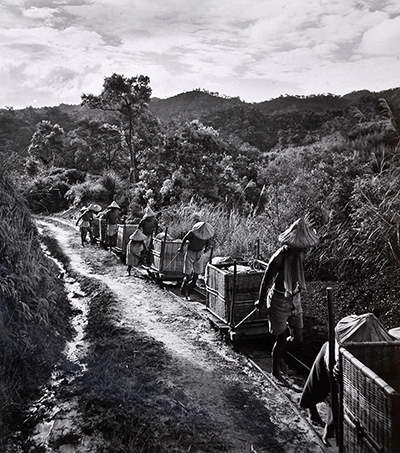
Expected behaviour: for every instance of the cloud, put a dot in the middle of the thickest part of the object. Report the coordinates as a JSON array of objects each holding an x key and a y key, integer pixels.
[
  {"x": 382, "y": 39},
  {"x": 57, "y": 49}
]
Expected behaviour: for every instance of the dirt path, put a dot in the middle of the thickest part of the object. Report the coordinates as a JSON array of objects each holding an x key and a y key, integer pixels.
[{"x": 216, "y": 383}]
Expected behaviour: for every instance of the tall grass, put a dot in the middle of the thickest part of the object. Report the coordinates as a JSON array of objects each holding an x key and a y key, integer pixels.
[
  {"x": 33, "y": 308},
  {"x": 237, "y": 236}
]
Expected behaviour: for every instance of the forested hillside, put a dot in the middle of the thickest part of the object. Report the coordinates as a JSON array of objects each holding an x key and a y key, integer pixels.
[
  {"x": 253, "y": 168},
  {"x": 249, "y": 169}
]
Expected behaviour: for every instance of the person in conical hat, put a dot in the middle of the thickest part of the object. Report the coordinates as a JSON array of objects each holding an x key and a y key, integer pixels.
[
  {"x": 85, "y": 224},
  {"x": 299, "y": 235},
  {"x": 280, "y": 289},
  {"x": 351, "y": 328},
  {"x": 198, "y": 241},
  {"x": 112, "y": 216},
  {"x": 149, "y": 226},
  {"x": 113, "y": 205},
  {"x": 203, "y": 230},
  {"x": 96, "y": 208},
  {"x": 134, "y": 249}
]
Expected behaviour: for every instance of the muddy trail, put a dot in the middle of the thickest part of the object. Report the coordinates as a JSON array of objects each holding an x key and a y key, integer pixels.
[{"x": 147, "y": 373}]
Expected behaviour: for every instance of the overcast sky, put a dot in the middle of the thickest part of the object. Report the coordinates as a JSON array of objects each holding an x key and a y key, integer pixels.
[{"x": 52, "y": 51}]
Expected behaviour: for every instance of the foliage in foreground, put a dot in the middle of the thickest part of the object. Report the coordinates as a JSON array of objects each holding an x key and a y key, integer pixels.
[{"x": 34, "y": 310}]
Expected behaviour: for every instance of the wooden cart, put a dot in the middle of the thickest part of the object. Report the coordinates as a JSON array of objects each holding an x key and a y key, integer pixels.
[
  {"x": 230, "y": 297},
  {"x": 124, "y": 231},
  {"x": 100, "y": 230},
  {"x": 166, "y": 260}
]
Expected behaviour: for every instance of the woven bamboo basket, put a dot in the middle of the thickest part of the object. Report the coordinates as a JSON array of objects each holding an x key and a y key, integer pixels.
[
  {"x": 231, "y": 296},
  {"x": 370, "y": 397},
  {"x": 166, "y": 258}
]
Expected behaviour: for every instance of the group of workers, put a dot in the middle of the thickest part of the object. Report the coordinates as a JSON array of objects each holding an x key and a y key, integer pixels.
[
  {"x": 138, "y": 250},
  {"x": 85, "y": 221},
  {"x": 280, "y": 290}
]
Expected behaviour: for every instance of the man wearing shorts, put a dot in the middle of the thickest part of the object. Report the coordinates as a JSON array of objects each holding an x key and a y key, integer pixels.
[
  {"x": 280, "y": 289},
  {"x": 197, "y": 240}
]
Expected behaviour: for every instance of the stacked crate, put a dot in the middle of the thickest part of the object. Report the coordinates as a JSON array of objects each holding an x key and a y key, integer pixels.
[{"x": 370, "y": 397}]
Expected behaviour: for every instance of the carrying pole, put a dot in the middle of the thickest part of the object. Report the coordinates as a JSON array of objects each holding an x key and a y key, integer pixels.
[
  {"x": 246, "y": 318},
  {"x": 332, "y": 362}
]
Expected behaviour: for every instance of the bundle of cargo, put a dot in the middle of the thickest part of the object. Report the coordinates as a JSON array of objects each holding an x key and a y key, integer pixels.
[
  {"x": 123, "y": 233},
  {"x": 166, "y": 260},
  {"x": 231, "y": 290},
  {"x": 370, "y": 397}
]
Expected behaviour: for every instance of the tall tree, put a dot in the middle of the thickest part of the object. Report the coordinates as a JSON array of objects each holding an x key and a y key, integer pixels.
[
  {"x": 47, "y": 143},
  {"x": 129, "y": 97}
]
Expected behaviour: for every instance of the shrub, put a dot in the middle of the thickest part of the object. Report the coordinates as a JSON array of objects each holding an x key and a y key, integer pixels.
[{"x": 33, "y": 307}]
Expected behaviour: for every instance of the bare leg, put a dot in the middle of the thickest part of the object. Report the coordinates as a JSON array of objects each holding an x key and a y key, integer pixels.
[
  {"x": 192, "y": 283},
  {"x": 314, "y": 416},
  {"x": 277, "y": 354},
  {"x": 185, "y": 280}
]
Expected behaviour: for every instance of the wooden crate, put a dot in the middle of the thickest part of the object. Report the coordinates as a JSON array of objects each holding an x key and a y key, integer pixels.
[
  {"x": 167, "y": 261},
  {"x": 124, "y": 231},
  {"x": 231, "y": 296},
  {"x": 370, "y": 397},
  {"x": 96, "y": 228}
]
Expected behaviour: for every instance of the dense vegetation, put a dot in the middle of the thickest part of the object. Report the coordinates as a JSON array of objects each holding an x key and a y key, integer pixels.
[
  {"x": 34, "y": 310},
  {"x": 250, "y": 169}
]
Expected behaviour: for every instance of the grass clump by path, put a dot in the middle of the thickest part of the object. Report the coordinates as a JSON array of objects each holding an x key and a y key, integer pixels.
[{"x": 34, "y": 310}]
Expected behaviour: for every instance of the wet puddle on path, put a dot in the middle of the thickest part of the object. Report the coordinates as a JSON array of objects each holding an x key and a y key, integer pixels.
[{"x": 58, "y": 417}]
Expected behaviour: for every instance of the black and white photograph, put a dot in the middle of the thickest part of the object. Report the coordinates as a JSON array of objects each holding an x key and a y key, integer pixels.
[{"x": 199, "y": 226}]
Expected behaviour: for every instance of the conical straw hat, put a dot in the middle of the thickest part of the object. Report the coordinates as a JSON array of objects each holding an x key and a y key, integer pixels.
[
  {"x": 95, "y": 207},
  {"x": 203, "y": 230},
  {"x": 299, "y": 235},
  {"x": 148, "y": 213},
  {"x": 114, "y": 205},
  {"x": 137, "y": 235},
  {"x": 361, "y": 328}
]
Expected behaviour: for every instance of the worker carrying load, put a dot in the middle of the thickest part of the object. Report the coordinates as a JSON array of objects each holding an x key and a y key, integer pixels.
[
  {"x": 134, "y": 249},
  {"x": 280, "y": 289},
  {"x": 111, "y": 215},
  {"x": 198, "y": 242},
  {"x": 85, "y": 221},
  {"x": 149, "y": 226},
  {"x": 352, "y": 328}
]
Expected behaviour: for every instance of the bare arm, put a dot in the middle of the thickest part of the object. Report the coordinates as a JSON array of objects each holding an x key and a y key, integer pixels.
[{"x": 270, "y": 275}]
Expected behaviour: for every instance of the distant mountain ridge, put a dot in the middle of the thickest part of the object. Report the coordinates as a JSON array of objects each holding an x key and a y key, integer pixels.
[
  {"x": 288, "y": 119},
  {"x": 196, "y": 103}
]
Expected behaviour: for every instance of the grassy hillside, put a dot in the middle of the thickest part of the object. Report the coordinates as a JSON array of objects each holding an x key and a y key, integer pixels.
[{"x": 34, "y": 311}]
